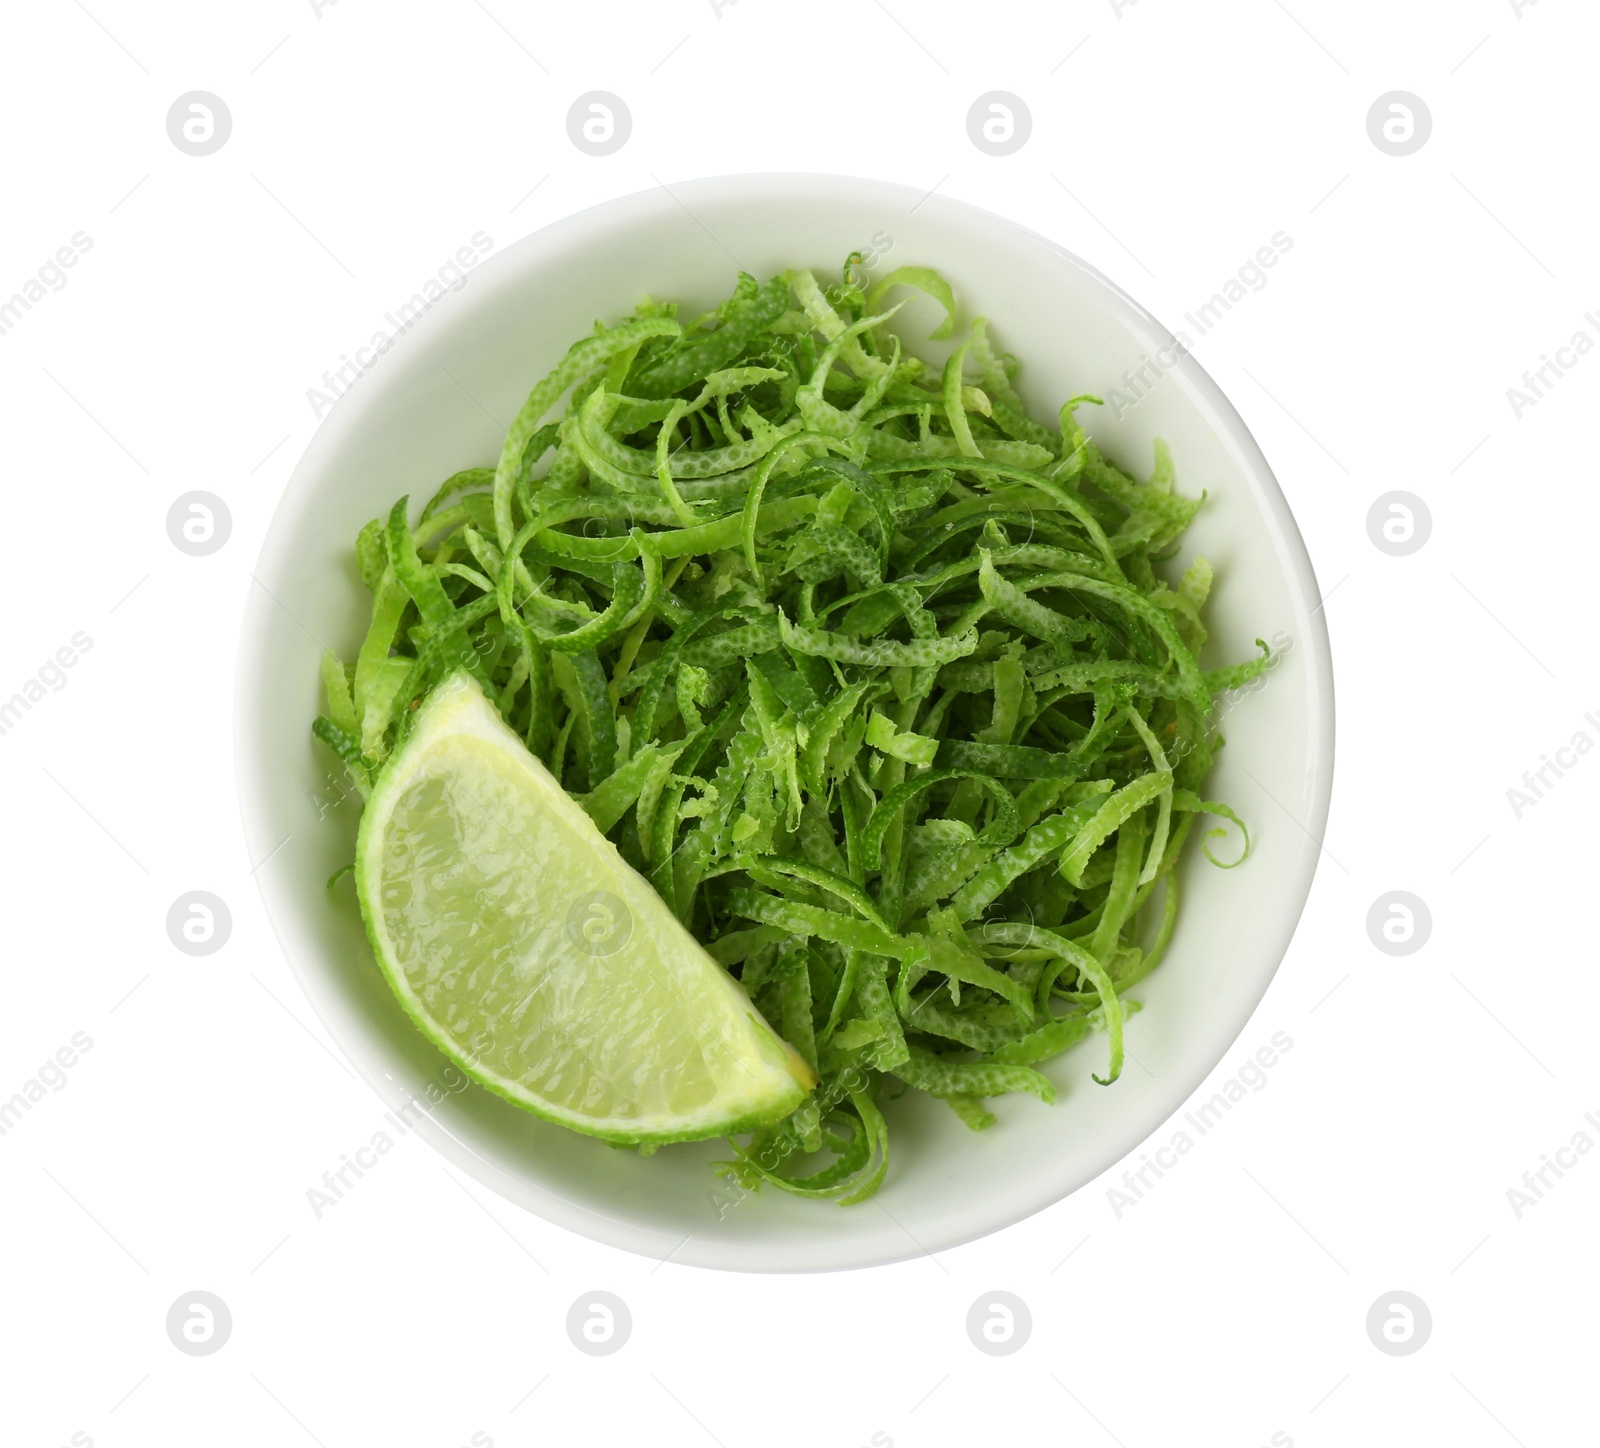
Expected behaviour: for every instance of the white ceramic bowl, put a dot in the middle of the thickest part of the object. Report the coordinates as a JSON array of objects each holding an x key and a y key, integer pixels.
[{"x": 440, "y": 401}]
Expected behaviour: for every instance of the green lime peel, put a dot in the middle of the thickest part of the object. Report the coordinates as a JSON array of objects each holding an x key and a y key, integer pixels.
[{"x": 870, "y": 673}]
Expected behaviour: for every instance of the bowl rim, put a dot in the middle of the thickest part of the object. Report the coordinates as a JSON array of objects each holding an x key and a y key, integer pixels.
[{"x": 350, "y": 413}]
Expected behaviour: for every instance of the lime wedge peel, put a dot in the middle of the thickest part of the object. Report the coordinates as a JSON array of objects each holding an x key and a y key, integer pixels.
[{"x": 531, "y": 953}]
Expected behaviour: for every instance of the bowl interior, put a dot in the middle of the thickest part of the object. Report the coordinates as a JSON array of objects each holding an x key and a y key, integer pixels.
[{"x": 442, "y": 400}]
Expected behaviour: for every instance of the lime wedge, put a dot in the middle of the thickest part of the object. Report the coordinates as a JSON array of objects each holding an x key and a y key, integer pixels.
[{"x": 532, "y": 954}]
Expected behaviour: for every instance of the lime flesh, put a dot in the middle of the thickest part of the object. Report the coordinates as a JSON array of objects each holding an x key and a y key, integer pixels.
[{"x": 531, "y": 953}]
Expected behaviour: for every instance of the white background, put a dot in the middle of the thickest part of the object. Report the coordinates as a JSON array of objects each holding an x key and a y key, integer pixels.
[{"x": 1169, "y": 142}]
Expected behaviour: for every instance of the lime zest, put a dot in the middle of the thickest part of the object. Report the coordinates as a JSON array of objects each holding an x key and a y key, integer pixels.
[{"x": 876, "y": 678}]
